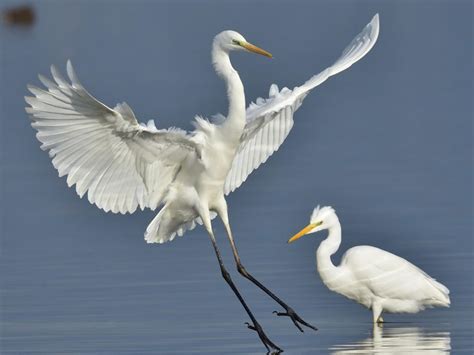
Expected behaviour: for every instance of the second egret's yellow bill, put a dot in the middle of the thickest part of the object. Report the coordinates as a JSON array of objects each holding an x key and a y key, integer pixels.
[{"x": 304, "y": 231}]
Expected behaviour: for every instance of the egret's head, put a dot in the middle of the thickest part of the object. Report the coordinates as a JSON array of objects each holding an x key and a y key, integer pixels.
[
  {"x": 234, "y": 41},
  {"x": 321, "y": 218}
]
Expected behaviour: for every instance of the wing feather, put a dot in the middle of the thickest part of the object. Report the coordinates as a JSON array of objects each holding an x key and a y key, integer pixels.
[
  {"x": 269, "y": 121},
  {"x": 105, "y": 152},
  {"x": 390, "y": 276}
]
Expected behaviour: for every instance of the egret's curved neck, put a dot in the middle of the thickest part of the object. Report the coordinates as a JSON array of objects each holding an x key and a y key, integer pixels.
[
  {"x": 328, "y": 271},
  {"x": 235, "y": 121}
]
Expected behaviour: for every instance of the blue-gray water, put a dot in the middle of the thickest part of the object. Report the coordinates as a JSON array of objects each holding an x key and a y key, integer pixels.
[{"x": 388, "y": 143}]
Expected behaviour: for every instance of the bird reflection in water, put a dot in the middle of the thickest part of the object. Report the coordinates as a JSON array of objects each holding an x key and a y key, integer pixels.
[{"x": 399, "y": 340}]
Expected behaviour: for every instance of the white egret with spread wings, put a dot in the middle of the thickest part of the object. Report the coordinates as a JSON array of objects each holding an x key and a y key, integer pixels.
[
  {"x": 123, "y": 165},
  {"x": 375, "y": 278}
]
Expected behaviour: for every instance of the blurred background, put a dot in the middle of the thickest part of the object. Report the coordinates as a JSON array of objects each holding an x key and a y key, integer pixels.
[{"x": 388, "y": 143}]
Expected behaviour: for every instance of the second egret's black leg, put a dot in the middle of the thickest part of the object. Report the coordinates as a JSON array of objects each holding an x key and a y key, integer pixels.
[{"x": 271, "y": 347}]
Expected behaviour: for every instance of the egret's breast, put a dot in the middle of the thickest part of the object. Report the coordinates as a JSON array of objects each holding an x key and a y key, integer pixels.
[{"x": 218, "y": 158}]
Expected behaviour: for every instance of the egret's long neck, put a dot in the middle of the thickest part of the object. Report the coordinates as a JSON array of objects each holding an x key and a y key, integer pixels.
[
  {"x": 235, "y": 121},
  {"x": 328, "y": 271}
]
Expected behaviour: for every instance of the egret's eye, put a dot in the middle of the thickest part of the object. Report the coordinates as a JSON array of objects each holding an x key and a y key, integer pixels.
[{"x": 236, "y": 42}]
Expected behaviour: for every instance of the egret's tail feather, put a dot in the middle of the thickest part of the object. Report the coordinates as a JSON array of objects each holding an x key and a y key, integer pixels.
[
  {"x": 164, "y": 227},
  {"x": 442, "y": 299},
  {"x": 151, "y": 233}
]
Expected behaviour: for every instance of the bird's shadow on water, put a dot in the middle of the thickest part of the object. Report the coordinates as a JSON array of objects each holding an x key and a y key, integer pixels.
[{"x": 398, "y": 339}]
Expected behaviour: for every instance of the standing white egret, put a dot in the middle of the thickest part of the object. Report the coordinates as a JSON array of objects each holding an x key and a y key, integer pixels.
[
  {"x": 373, "y": 277},
  {"x": 122, "y": 164}
]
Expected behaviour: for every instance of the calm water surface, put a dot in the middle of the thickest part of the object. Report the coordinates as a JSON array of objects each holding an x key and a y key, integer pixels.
[
  {"x": 388, "y": 144},
  {"x": 89, "y": 304}
]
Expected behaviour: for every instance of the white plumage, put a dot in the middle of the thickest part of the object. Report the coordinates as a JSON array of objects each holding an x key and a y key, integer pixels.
[
  {"x": 373, "y": 277},
  {"x": 122, "y": 164},
  {"x": 103, "y": 151}
]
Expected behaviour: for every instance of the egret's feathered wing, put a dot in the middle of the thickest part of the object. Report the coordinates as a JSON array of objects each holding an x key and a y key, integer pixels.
[
  {"x": 389, "y": 276},
  {"x": 270, "y": 120},
  {"x": 105, "y": 152}
]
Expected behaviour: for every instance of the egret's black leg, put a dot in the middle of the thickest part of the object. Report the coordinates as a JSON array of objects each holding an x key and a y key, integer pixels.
[
  {"x": 271, "y": 347},
  {"x": 289, "y": 312}
]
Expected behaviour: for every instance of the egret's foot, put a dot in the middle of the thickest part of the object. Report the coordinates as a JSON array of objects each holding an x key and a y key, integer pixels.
[
  {"x": 380, "y": 320},
  {"x": 271, "y": 347},
  {"x": 296, "y": 319}
]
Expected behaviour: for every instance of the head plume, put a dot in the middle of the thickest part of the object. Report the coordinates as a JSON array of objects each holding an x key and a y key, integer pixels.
[{"x": 319, "y": 213}]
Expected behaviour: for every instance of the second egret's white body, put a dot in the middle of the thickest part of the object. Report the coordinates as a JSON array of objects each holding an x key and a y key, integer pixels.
[{"x": 373, "y": 277}]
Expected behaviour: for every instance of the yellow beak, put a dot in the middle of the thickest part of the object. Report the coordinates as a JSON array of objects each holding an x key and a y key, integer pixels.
[
  {"x": 304, "y": 231},
  {"x": 252, "y": 48}
]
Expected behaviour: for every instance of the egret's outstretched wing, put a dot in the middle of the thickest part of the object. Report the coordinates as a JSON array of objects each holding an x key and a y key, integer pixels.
[
  {"x": 270, "y": 120},
  {"x": 105, "y": 152}
]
